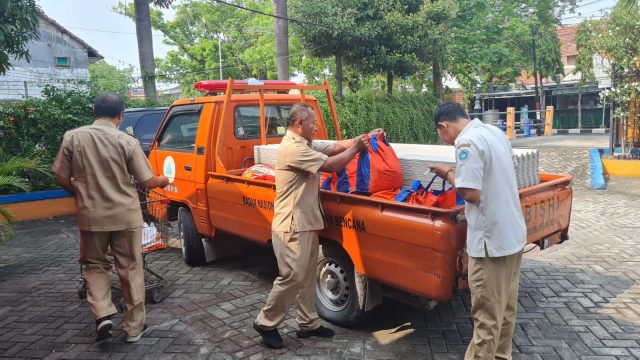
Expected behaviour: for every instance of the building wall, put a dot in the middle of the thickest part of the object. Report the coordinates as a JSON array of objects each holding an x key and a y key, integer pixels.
[
  {"x": 457, "y": 96},
  {"x": 42, "y": 69}
]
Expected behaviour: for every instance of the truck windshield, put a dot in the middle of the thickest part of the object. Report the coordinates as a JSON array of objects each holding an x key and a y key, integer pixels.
[
  {"x": 246, "y": 121},
  {"x": 180, "y": 132}
]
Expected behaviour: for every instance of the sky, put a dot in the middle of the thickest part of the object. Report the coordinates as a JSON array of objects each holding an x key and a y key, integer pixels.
[
  {"x": 589, "y": 9},
  {"x": 113, "y": 35}
]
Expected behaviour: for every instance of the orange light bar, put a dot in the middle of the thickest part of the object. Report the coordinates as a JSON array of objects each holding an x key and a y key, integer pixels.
[{"x": 207, "y": 86}]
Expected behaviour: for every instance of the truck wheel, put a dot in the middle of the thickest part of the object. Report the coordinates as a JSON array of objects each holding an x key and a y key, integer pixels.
[
  {"x": 336, "y": 288},
  {"x": 190, "y": 240}
]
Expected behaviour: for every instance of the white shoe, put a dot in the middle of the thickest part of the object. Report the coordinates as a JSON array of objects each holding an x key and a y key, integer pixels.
[{"x": 132, "y": 339}]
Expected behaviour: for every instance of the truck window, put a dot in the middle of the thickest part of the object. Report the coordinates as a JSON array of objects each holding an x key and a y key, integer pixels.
[
  {"x": 147, "y": 126},
  {"x": 180, "y": 132},
  {"x": 246, "y": 121}
]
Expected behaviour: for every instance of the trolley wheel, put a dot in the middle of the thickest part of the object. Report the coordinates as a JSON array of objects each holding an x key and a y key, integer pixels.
[
  {"x": 120, "y": 306},
  {"x": 190, "y": 240},
  {"x": 82, "y": 291},
  {"x": 157, "y": 294}
]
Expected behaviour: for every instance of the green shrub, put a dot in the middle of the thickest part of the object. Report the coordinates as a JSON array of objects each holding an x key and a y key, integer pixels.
[
  {"x": 405, "y": 117},
  {"x": 34, "y": 128}
]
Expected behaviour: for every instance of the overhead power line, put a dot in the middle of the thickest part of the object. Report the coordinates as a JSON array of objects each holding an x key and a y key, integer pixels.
[
  {"x": 587, "y": 15},
  {"x": 303, "y": 22},
  {"x": 587, "y": 4},
  {"x": 166, "y": 74},
  {"x": 109, "y": 31}
]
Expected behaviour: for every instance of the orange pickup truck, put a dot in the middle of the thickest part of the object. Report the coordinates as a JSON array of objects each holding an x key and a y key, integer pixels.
[{"x": 204, "y": 144}]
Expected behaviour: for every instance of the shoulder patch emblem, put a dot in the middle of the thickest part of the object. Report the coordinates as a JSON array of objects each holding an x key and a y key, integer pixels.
[
  {"x": 463, "y": 155},
  {"x": 464, "y": 146}
]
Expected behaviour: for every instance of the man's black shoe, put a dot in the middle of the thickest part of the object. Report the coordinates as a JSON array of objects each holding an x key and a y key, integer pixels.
[
  {"x": 103, "y": 328},
  {"x": 271, "y": 338},
  {"x": 322, "y": 332}
]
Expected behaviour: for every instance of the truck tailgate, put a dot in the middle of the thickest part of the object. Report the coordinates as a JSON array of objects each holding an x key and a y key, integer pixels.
[{"x": 547, "y": 209}]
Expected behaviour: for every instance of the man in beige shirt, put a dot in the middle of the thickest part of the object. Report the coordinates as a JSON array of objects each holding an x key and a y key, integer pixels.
[
  {"x": 297, "y": 219},
  {"x": 97, "y": 165}
]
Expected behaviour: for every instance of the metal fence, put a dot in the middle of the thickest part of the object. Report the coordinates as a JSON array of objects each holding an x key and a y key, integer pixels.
[{"x": 532, "y": 122}]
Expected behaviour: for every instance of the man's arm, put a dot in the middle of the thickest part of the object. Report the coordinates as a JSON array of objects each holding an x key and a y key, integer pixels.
[
  {"x": 155, "y": 182},
  {"x": 342, "y": 145},
  {"x": 446, "y": 172},
  {"x": 66, "y": 183},
  {"x": 340, "y": 160}
]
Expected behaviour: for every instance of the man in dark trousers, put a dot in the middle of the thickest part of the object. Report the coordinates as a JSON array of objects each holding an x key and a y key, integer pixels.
[
  {"x": 496, "y": 232},
  {"x": 296, "y": 221},
  {"x": 98, "y": 164}
]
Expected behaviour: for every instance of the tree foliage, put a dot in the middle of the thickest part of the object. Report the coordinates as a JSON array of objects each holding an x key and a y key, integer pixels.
[
  {"x": 480, "y": 42},
  {"x": 616, "y": 40},
  {"x": 106, "y": 77},
  {"x": 247, "y": 42},
  {"x": 334, "y": 28},
  {"x": 492, "y": 41},
  {"x": 18, "y": 25}
]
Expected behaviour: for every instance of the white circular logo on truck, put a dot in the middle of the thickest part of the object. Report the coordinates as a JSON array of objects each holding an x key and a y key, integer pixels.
[{"x": 169, "y": 168}]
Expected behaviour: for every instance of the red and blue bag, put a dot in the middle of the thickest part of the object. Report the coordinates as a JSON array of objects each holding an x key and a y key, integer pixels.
[
  {"x": 420, "y": 195},
  {"x": 371, "y": 171},
  {"x": 444, "y": 199}
]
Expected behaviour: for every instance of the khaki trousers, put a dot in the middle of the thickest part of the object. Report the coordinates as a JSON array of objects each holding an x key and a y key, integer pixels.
[
  {"x": 125, "y": 246},
  {"x": 494, "y": 305},
  {"x": 297, "y": 254}
]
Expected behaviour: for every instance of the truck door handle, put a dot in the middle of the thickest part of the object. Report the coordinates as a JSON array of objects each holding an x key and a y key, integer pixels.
[{"x": 187, "y": 167}]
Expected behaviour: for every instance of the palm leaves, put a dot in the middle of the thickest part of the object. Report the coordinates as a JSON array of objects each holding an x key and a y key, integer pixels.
[
  {"x": 631, "y": 5},
  {"x": 10, "y": 180}
]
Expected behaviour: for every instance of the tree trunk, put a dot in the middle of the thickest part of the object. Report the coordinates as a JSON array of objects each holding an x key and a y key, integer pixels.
[
  {"x": 437, "y": 79},
  {"x": 389, "y": 83},
  {"x": 339, "y": 76},
  {"x": 282, "y": 39},
  {"x": 145, "y": 48},
  {"x": 542, "y": 97},
  {"x": 579, "y": 109}
]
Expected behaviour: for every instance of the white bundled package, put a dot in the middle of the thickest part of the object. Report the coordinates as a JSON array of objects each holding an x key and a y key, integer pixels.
[
  {"x": 416, "y": 158},
  {"x": 527, "y": 169}
]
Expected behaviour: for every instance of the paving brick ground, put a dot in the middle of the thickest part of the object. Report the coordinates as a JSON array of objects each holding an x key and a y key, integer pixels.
[{"x": 579, "y": 300}]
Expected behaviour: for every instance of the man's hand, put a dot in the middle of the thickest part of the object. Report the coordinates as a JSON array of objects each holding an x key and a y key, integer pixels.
[
  {"x": 376, "y": 131},
  {"x": 441, "y": 170},
  {"x": 361, "y": 142},
  {"x": 156, "y": 182},
  {"x": 164, "y": 181}
]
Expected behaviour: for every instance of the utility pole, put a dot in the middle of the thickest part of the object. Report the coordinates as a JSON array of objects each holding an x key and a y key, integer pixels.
[
  {"x": 535, "y": 76},
  {"x": 220, "y": 54},
  {"x": 282, "y": 38},
  {"x": 613, "y": 123},
  {"x": 145, "y": 48}
]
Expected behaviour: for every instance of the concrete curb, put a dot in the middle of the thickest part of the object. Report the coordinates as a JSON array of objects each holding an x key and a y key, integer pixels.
[
  {"x": 579, "y": 131},
  {"x": 39, "y": 205}
]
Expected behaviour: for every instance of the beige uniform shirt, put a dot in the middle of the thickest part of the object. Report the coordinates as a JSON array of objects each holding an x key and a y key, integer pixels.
[
  {"x": 102, "y": 160},
  {"x": 297, "y": 204}
]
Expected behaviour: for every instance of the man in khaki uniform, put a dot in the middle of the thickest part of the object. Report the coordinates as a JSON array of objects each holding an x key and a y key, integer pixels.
[
  {"x": 296, "y": 221},
  {"x": 96, "y": 164}
]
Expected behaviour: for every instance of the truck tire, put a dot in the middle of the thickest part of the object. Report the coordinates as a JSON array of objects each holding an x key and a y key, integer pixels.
[
  {"x": 338, "y": 294},
  {"x": 190, "y": 240}
]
